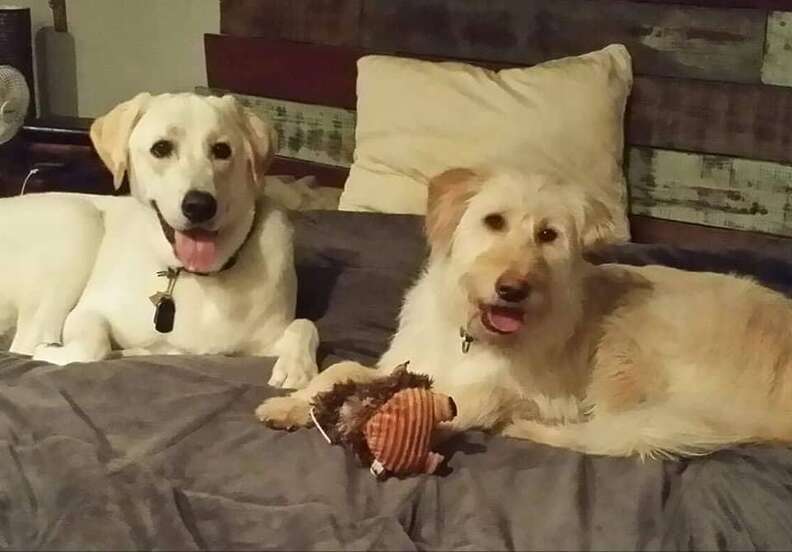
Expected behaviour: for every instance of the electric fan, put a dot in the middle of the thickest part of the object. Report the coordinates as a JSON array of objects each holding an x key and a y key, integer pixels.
[{"x": 14, "y": 102}]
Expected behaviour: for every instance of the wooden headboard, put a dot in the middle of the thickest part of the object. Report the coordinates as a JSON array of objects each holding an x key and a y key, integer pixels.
[{"x": 709, "y": 123}]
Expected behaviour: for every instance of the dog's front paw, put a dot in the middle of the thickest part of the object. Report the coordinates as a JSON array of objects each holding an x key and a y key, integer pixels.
[
  {"x": 285, "y": 412},
  {"x": 293, "y": 372}
]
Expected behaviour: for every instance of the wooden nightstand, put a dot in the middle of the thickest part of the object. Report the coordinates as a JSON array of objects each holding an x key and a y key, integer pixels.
[{"x": 60, "y": 148}]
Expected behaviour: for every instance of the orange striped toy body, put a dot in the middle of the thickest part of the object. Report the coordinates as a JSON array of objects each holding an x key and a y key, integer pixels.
[{"x": 399, "y": 434}]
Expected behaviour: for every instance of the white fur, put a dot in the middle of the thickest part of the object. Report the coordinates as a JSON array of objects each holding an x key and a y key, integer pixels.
[{"x": 79, "y": 269}]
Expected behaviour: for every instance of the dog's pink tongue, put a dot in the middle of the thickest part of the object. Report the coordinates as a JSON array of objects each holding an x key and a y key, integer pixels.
[
  {"x": 196, "y": 249},
  {"x": 505, "y": 320}
]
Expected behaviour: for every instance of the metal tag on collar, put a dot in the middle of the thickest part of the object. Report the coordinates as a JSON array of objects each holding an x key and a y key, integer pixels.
[
  {"x": 164, "y": 306},
  {"x": 164, "y": 314},
  {"x": 467, "y": 340}
]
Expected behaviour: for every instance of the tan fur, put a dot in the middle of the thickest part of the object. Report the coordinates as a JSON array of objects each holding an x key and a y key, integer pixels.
[
  {"x": 448, "y": 195},
  {"x": 610, "y": 359},
  {"x": 110, "y": 134},
  {"x": 597, "y": 226},
  {"x": 687, "y": 365}
]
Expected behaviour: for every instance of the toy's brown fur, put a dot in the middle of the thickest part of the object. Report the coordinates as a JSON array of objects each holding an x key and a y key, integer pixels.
[{"x": 342, "y": 412}]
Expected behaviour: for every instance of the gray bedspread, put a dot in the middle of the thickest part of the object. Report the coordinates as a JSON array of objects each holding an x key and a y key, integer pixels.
[{"x": 164, "y": 452}]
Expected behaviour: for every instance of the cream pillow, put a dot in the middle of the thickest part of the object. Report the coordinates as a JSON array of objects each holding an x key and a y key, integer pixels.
[{"x": 417, "y": 118}]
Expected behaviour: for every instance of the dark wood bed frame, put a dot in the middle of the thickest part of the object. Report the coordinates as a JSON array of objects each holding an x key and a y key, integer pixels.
[{"x": 306, "y": 51}]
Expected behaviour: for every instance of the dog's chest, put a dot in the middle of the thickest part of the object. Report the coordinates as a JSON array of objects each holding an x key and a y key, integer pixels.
[{"x": 211, "y": 315}]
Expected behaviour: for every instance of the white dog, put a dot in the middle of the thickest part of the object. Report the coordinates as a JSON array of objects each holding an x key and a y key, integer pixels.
[
  {"x": 528, "y": 338},
  {"x": 82, "y": 273}
]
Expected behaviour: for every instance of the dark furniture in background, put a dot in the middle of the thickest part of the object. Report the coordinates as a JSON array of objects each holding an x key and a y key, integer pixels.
[{"x": 60, "y": 148}]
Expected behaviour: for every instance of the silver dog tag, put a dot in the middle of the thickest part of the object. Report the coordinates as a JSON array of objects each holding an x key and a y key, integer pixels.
[{"x": 466, "y": 338}]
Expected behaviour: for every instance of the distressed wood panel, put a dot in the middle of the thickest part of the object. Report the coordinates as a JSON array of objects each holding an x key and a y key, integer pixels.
[
  {"x": 318, "y": 21},
  {"x": 307, "y": 132},
  {"x": 777, "y": 67},
  {"x": 710, "y": 190},
  {"x": 721, "y": 118},
  {"x": 644, "y": 229},
  {"x": 664, "y": 40},
  {"x": 716, "y": 191},
  {"x": 740, "y": 194}
]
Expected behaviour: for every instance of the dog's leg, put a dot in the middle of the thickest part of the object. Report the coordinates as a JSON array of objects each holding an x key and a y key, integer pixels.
[
  {"x": 296, "y": 351},
  {"x": 483, "y": 407},
  {"x": 663, "y": 431},
  {"x": 45, "y": 323},
  {"x": 85, "y": 338},
  {"x": 27, "y": 339},
  {"x": 294, "y": 410},
  {"x": 25, "y": 336}
]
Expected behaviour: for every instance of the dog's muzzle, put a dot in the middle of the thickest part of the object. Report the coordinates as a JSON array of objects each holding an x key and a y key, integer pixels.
[{"x": 502, "y": 319}]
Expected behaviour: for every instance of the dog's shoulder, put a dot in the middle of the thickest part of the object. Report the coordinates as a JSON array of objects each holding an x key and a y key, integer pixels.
[
  {"x": 271, "y": 214},
  {"x": 273, "y": 230}
]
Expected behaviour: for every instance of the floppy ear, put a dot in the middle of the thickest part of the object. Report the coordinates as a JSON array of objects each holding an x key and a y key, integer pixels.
[
  {"x": 599, "y": 227},
  {"x": 593, "y": 219},
  {"x": 110, "y": 134},
  {"x": 449, "y": 193},
  {"x": 261, "y": 139}
]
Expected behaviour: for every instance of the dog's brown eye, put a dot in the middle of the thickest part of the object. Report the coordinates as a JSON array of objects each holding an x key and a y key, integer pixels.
[
  {"x": 495, "y": 222},
  {"x": 221, "y": 150},
  {"x": 546, "y": 235},
  {"x": 161, "y": 149}
]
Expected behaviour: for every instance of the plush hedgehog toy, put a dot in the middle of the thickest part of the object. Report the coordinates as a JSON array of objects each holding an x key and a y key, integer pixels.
[{"x": 388, "y": 423}]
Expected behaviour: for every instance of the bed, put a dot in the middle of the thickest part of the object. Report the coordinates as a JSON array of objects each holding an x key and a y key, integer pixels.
[{"x": 164, "y": 452}]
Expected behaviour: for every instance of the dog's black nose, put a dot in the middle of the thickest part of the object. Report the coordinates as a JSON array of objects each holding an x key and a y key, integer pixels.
[
  {"x": 199, "y": 206},
  {"x": 512, "y": 290}
]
